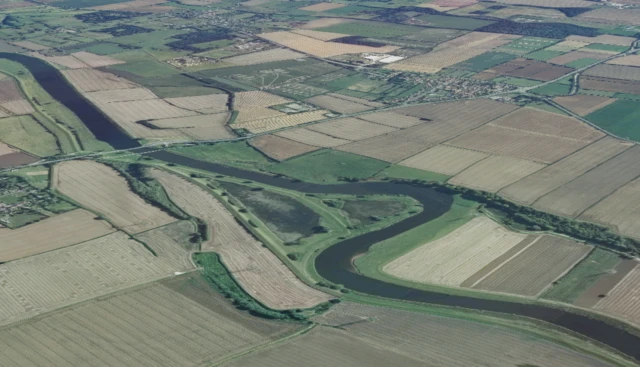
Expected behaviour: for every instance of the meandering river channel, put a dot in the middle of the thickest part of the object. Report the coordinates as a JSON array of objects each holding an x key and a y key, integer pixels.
[{"x": 334, "y": 264}]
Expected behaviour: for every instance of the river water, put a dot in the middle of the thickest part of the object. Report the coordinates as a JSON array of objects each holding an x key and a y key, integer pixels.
[{"x": 334, "y": 264}]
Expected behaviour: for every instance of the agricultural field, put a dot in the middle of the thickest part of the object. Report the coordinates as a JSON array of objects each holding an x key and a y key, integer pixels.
[
  {"x": 530, "y": 69},
  {"x": 59, "y": 231},
  {"x": 310, "y": 137},
  {"x": 273, "y": 55},
  {"x": 26, "y": 133},
  {"x": 618, "y": 210},
  {"x": 618, "y": 117},
  {"x": 101, "y": 189},
  {"x": 609, "y": 85},
  {"x": 155, "y": 337},
  {"x": 337, "y": 104},
  {"x": 495, "y": 172},
  {"x": 583, "y": 104},
  {"x": 392, "y": 119},
  {"x": 82, "y": 272},
  {"x": 532, "y": 187},
  {"x": 279, "y": 148},
  {"x": 581, "y": 193},
  {"x": 621, "y": 300},
  {"x": 258, "y": 271},
  {"x": 614, "y": 72},
  {"x": 444, "y": 159},
  {"x": 351, "y": 129}
]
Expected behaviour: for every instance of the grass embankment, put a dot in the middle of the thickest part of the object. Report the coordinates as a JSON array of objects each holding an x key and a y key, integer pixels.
[{"x": 72, "y": 135}]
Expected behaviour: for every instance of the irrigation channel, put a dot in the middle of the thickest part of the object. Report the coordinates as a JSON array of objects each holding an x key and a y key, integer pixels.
[{"x": 334, "y": 264}]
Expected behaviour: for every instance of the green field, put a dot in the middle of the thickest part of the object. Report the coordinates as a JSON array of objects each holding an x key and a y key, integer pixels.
[
  {"x": 582, "y": 276},
  {"x": 29, "y": 135},
  {"x": 581, "y": 63},
  {"x": 86, "y": 3},
  {"x": 620, "y": 118},
  {"x": 238, "y": 154},
  {"x": 601, "y": 46},
  {"x": 329, "y": 166},
  {"x": 442, "y": 21},
  {"x": 407, "y": 173},
  {"x": 526, "y": 45},
  {"x": 519, "y": 82},
  {"x": 553, "y": 89},
  {"x": 485, "y": 61}
]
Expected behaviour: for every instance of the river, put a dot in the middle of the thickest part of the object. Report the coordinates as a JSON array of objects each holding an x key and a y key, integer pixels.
[{"x": 334, "y": 264}]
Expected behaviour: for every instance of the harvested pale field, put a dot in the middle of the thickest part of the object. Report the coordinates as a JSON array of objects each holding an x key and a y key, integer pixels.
[
  {"x": 337, "y": 104},
  {"x": 320, "y": 48},
  {"x": 78, "y": 273},
  {"x": 583, "y": 104},
  {"x": 325, "y": 22},
  {"x": 614, "y": 72},
  {"x": 256, "y": 98},
  {"x": 391, "y": 119},
  {"x": 256, "y": 113},
  {"x": 605, "y": 283},
  {"x": 530, "y": 69},
  {"x": 52, "y": 233},
  {"x": 351, "y": 129},
  {"x": 121, "y": 95},
  {"x": 622, "y": 300},
  {"x": 322, "y": 36},
  {"x": 5, "y": 149},
  {"x": 211, "y": 102},
  {"x": 392, "y": 147},
  {"x": 605, "y": 39},
  {"x": 323, "y": 6},
  {"x": 549, "y": 3},
  {"x": 280, "y": 148},
  {"x": 609, "y": 85},
  {"x": 446, "y": 342},
  {"x": 201, "y": 127},
  {"x": 577, "y": 55},
  {"x": 612, "y": 16},
  {"x": 446, "y": 5},
  {"x": 455, "y": 257},
  {"x": 18, "y": 107},
  {"x": 630, "y": 60},
  {"x": 9, "y": 91},
  {"x": 566, "y": 46},
  {"x": 548, "y": 123},
  {"x": 134, "y": 5},
  {"x": 444, "y": 159},
  {"x": 260, "y": 273},
  {"x": 325, "y": 346},
  {"x": 274, "y": 123},
  {"x": 179, "y": 322},
  {"x": 96, "y": 61},
  {"x": 31, "y": 45},
  {"x": 260, "y": 57},
  {"x": 66, "y": 61},
  {"x": 518, "y": 143},
  {"x": 619, "y": 210},
  {"x": 4, "y": 113},
  {"x": 310, "y": 137},
  {"x": 452, "y": 52},
  {"x": 357, "y": 100},
  {"x": 534, "y": 269},
  {"x": 467, "y": 114},
  {"x": 578, "y": 195},
  {"x": 532, "y": 187},
  {"x": 90, "y": 80},
  {"x": 495, "y": 172},
  {"x": 101, "y": 189},
  {"x": 518, "y": 11}
]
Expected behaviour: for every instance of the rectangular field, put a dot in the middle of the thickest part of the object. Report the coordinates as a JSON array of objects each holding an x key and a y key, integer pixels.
[
  {"x": 310, "y": 137},
  {"x": 631, "y": 60},
  {"x": 622, "y": 300},
  {"x": 96, "y": 61},
  {"x": 534, "y": 269},
  {"x": 260, "y": 273},
  {"x": 9, "y": 91},
  {"x": 351, "y": 129},
  {"x": 77, "y": 273},
  {"x": 18, "y": 107},
  {"x": 455, "y": 257},
  {"x": 320, "y": 48},
  {"x": 620, "y": 118},
  {"x": 578, "y": 195},
  {"x": 495, "y": 172},
  {"x": 276, "y": 54},
  {"x": 609, "y": 85},
  {"x": 614, "y": 72},
  {"x": 619, "y": 210},
  {"x": 532, "y": 187},
  {"x": 52, "y": 233},
  {"x": 250, "y": 99},
  {"x": 180, "y": 322},
  {"x": 577, "y": 55},
  {"x": 392, "y": 119},
  {"x": 337, "y": 104},
  {"x": 121, "y": 95},
  {"x": 101, "y": 189},
  {"x": 210, "y": 103},
  {"x": 444, "y": 159},
  {"x": 280, "y": 148},
  {"x": 279, "y": 122},
  {"x": 530, "y": 69},
  {"x": 605, "y": 38},
  {"x": 453, "y": 52},
  {"x": 583, "y": 104},
  {"x": 90, "y": 80}
]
